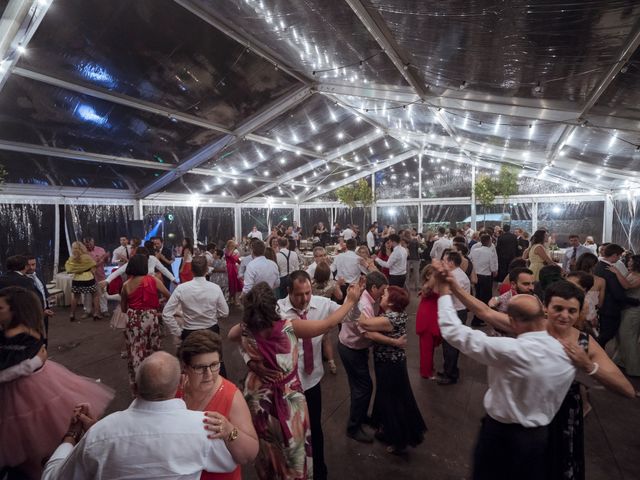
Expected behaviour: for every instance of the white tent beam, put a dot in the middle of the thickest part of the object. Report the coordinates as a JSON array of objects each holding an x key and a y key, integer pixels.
[
  {"x": 484, "y": 104},
  {"x": 256, "y": 46},
  {"x": 19, "y": 22},
  {"x": 209, "y": 151},
  {"x": 20, "y": 193},
  {"x": 332, "y": 156},
  {"x": 364, "y": 173},
  {"x": 376, "y": 26}
]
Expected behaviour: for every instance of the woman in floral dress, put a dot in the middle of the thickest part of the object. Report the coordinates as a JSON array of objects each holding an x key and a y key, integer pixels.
[
  {"x": 272, "y": 387},
  {"x": 139, "y": 300}
]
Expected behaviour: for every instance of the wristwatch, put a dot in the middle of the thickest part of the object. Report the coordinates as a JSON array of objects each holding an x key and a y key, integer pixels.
[{"x": 233, "y": 435}]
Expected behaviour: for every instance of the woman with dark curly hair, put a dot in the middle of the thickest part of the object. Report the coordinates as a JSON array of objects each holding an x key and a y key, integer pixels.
[{"x": 272, "y": 387}]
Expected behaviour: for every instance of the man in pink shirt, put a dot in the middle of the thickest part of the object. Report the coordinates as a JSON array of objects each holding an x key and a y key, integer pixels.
[
  {"x": 353, "y": 347},
  {"x": 101, "y": 257}
]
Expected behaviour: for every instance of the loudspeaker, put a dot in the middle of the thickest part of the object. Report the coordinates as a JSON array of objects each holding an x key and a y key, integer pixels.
[{"x": 136, "y": 229}]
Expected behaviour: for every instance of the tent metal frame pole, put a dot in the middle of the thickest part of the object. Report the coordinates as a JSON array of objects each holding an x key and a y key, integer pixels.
[
  {"x": 474, "y": 220},
  {"x": 237, "y": 222},
  {"x": 534, "y": 216},
  {"x": 56, "y": 239},
  {"x": 607, "y": 220}
]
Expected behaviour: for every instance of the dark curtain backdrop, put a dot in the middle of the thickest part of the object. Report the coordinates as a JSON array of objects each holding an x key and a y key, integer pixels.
[
  {"x": 28, "y": 228},
  {"x": 626, "y": 223},
  {"x": 214, "y": 225},
  {"x": 172, "y": 231},
  {"x": 105, "y": 223}
]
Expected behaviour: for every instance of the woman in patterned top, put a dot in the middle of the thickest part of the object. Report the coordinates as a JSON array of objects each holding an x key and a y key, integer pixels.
[{"x": 395, "y": 412}]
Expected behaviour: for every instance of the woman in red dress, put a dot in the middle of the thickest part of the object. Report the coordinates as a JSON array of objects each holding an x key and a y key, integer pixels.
[
  {"x": 232, "y": 258},
  {"x": 139, "y": 300},
  {"x": 204, "y": 389},
  {"x": 427, "y": 322},
  {"x": 187, "y": 255}
]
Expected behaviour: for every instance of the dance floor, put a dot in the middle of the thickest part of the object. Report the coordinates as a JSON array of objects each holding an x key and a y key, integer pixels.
[{"x": 452, "y": 413}]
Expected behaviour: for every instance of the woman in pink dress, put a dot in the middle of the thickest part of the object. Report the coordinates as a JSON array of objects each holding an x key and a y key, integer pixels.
[
  {"x": 35, "y": 392},
  {"x": 232, "y": 259},
  {"x": 139, "y": 300}
]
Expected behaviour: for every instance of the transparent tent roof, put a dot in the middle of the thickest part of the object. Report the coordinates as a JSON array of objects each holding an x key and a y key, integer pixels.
[{"x": 237, "y": 101}]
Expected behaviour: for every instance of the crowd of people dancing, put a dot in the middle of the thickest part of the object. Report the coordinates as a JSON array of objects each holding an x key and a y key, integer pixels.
[{"x": 540, "y": 324}]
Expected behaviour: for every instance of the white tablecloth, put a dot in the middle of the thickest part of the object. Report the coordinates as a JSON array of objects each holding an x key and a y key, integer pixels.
[{"x": 63, "y": 282}]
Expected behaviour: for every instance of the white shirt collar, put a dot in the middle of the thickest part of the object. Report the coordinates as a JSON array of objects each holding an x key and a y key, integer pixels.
[{"x": 158, "y": 406}]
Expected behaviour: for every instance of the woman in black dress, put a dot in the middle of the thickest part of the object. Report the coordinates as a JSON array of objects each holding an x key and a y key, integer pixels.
[{"x": 395, "y": 412}]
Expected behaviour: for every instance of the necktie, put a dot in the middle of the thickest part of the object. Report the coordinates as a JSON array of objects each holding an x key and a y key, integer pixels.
[
  {"x": 308, "y": 349},
  {"x": 572, "y": 262},
  {"x": 126, "y": 250}
]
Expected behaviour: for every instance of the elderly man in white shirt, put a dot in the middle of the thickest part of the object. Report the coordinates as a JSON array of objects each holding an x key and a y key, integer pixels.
[
  {"x": 301, "y": 304},
  {"x": 260, "y": 269},
  {"x": 528, "y": 377},
  {"x": 156, "y": 437},
  {"x": 440, "y": 245},
  {"x": 288, "y": 261},
  {"x": 201, "y": 302},
  {"x": 397, "y": 262},
  {"x": 347, "y": 265},
  {"x": 485, "y": 261}
]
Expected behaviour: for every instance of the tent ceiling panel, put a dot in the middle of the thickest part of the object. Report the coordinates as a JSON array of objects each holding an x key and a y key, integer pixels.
[
  {"x": 510, "y": 48},
  {"x": 622, "y": 98},
  {"x": 45, "y": 115},
  {"x": 399, "y": 181},
  {"x": 311, "y": 36},
  {"x": 36, "y": 169},
  {"x": 196, "y": 184},
  {"x": 163, "y": 55},
  {"x": 316, "y": 125},
  {"x": 603, "y": 148}
]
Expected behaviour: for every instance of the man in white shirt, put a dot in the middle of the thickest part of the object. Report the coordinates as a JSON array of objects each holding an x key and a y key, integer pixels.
[
  {"x": 485, "y": 261},
  {"x": 440, "y": 245},
  {"x": 156, "y": 437},
  {"x": 528, "y": 377},
  {"x": 397, "y": 262},
  {"x": 573, "y": 253},
  {"x": 348, "y": 233},
  {"x": 347, "y": 265},
  {"x": 255, "y": 233},
  {"x": 468, "y": 232},
  {"x": 288, "y": 262},
  {"x": 319, "y": 255},
  {"x": 123, "y": 252},
  {"x": 260, "y": 269},
  {"x": 201, "y": 302},
  {"x": 153, "y": 264},
  {"x": 301, "y": 304},
  {"x": 450, "y": 373},
  {"x": 371, "y": 238}
]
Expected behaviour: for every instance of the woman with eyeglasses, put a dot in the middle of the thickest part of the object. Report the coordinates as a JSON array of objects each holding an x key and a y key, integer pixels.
[{"x": 203, "y": 389}]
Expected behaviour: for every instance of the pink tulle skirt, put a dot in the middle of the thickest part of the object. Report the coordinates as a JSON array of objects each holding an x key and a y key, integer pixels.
[{"x": 35, "y": 412}]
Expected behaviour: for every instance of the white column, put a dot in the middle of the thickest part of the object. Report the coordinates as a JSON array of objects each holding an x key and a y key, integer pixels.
[
  {"x": 296, "y": 214},
  {"x": 56, "y": 240},
  {"x": 420, "y": 210},
  {"x": 237, "y": 214},
  {"x": 534, "y": 217},
  {"x": 607, "y": 227},
  {"x": 374, "y": 207},
  {"x": 137, "y": 210},
  {"x": 474, "y": 224},
  {"x": 194, "y": 228}
]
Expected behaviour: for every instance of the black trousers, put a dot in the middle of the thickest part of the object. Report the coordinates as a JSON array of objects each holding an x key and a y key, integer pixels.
[
  {"x": 609, "y": 325},
  {"x": 314, "y": 404},
  {"x": 215, "y": 329},
  {"x": 397, "y": 280},
  {"x": 484, "y": 289},
  {"x": 450, "y": 354},
  {"x": 510, "y": 451},
  {"x": 356, "y": 364}
]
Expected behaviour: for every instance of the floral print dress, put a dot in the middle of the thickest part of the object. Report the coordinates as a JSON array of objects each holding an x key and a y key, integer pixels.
[{"x": 279, "y": 409}]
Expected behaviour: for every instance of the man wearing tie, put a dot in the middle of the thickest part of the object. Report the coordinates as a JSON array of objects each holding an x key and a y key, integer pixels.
[
  {"x": 123, "y": 252},
  {"x": 572, "y": 254},
  {"x": 300, "y": 304},
  {"x": 41, "y": 288}
]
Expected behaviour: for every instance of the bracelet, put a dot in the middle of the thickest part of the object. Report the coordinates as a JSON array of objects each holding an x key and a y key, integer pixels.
[{"x": 595, "y": 369}]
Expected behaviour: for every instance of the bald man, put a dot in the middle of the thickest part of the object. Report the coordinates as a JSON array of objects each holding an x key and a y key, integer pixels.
[
  {"x": 528, "y": 377},
  {"x": 156, "y": 437}
]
